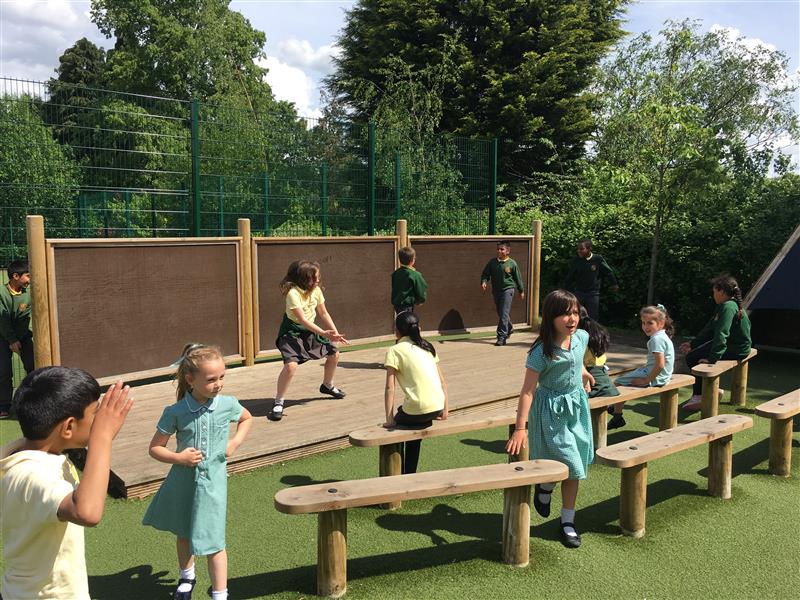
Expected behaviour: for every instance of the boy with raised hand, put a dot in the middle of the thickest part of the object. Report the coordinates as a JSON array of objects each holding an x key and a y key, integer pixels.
[
  {"x": 504, "y": 274},
  {"x": 44, "y": 506},
  {"x": 15, "y": 334},
  {"x": 409, "y": 287}
]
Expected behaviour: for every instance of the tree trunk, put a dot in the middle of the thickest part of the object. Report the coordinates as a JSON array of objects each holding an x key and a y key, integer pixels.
[{"x": 651, "y": 280}]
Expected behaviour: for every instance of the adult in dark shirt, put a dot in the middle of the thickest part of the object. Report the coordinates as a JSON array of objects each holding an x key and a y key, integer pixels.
[{"x": 586, "y": 273}]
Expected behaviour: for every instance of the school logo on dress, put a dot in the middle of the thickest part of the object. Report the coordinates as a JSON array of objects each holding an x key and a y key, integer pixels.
[{"x": 594, "y": 267}]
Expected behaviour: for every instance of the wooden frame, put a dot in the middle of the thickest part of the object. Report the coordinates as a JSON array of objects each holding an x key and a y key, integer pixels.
[
  {"x": 710, "y": 373},
  {"x": 771, "y": 268},
  {"x": 780, "y": 412}
]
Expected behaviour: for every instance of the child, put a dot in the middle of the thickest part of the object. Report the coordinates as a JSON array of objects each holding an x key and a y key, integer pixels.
[
  {"x": 408, "y": 286},
  {"x": 44, "y": 508},
  {"x": 504, "y": 274},
  {"x": 586, "y": 272},
  {"x": 594, "y": 359},
  {"x": 560, "y": 425},
  {"x": 657, "y": 325},
  {"x": 192, "y": 501},
  {"x": 15, "y": 334},
  {"x": 299, "y": 338},
  {"x": 413, "y": 363},
  {"x": 725, "y": 337}
]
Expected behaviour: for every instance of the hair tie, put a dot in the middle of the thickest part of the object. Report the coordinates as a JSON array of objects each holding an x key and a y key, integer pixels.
[
  {"x": 661, "y": 307},
  {"x": 185, "y": 354}
]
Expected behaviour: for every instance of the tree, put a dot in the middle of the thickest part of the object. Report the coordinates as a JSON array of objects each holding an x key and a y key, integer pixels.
[
  {"x": 682, "y": 114},
  {"x": 523, "y": 68}
]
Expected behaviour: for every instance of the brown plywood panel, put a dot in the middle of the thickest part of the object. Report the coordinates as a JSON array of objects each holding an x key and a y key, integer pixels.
[
  {"x": 355, "y": 281},
  {"x": 452, "y": 268},
  {"x": 132, "y": 308}
]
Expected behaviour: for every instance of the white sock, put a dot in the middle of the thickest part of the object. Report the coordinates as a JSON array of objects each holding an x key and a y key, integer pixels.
[
  {"x": 223, "y": 595},
  {"x": 187, "y": 573},
  {"x": 279, "y": 401},
  {"x": 568, "y": 516},
  {"x": 547, "y": 487}
]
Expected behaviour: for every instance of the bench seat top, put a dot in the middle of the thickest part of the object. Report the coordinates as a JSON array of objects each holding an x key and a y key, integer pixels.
[
  {"x": 337, "y": 495},
  {"x": 655, "y": 445},
  {"x": 719, "y": 367},
  {"x": 627, "y": 392},
  {"x": 782, "y": 407}
]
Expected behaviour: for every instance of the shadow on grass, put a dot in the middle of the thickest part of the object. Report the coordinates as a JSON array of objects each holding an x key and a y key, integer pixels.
[
  {"x": 746, "y": 460},
  {"x": 494, "y": 446},
  {"x": 295, "y": 480},
  {"x": 134, "y": 584}
]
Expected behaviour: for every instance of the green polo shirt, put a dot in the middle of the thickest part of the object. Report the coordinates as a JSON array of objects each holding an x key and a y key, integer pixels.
[
  {"x": 503, "y": 275},
  {"x": 586, "y": 274},
  {"x": 408, "y": 287},
  {"x": 15, "y": 314},
  {"x": 726, "y": 331}
]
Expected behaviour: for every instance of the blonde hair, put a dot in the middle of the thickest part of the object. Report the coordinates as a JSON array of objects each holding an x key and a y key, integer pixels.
[
  {"x": 659, "y": 311},
  {"x": 191, "y": 356}
]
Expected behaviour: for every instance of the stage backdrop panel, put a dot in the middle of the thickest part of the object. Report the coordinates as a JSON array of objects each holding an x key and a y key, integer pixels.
[
  {"x": 356, "y": 283},
  {"x": 124, "y": 307},
  {"x": 452, "y": 267}
]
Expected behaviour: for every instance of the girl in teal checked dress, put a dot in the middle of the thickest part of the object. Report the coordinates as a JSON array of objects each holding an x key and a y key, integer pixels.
[
  {"x": 558, "y": 415},
  {"x": 192, "y": 501}
]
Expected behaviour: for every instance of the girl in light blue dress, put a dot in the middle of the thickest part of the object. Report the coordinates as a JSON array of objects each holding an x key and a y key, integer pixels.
[
  {"x": 192, "y": 501},
  {"x": 558, "y": 415}
]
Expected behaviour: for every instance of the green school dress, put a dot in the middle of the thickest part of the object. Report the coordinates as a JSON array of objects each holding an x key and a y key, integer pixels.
[
  {"x": 192, "y": 501},
  {"x": 559, "y": 423}
]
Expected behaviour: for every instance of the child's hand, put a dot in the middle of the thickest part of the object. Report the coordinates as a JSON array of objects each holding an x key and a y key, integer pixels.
[
  {"x": 702, "y": 361},
  {"x": 522, "y": 295},
  {"x": 518, "y": 441},
  {"x": 443, "y": 416},
  {"x": 231, "y": 448},
  {"x": 15, "y": 347},
  {"x": 685, "y": 347},
  {"x": 390, "y": 422},
  {"x": 335, "y": 336},
  {"x": 483, "y": 286},
  {"x": 191, "y": 457},
  {"x": 588, "y": 380},
  {"x": 114, "y": 407}
]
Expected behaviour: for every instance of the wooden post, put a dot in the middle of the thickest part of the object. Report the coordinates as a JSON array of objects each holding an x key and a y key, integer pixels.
[
  {"x": 709, "y": 405},
  {"x": 720, "y": 463},
  {"x": 390, "y": 463},
  {"x": 517, "y": 525},
  {"x": 523, "y": 454},
  {"x": 40, "y": 298},
  {"x": 668, "y": 410},
  {"x": 401, "y": 228},
  {"x": 536, "y": 271},
  {"x": 633, "y": 500},
  {"x": 780, "y": 446},
  {"x": 739, "y": 385},
  {"x": 599, "y": 428},
  {"x": 332, "y": 553},
  {"x": 246, "y": 274}
]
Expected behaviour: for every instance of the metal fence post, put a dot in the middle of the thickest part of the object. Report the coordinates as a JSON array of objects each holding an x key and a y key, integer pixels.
[
  {"x": 81, "y": 216},
  {"x": 221, "y": 196},
  {"x": 265, "y": 190},
  {"x": 371, "y": 173},
  {"x": 323, "y": 193},
  {"x": 105, "y": 214},
  {"x": 397, "y": 191},
  {"x": 195, "y": 128},
  {"x": 126, "y": 196},
  {"x": 493, "y": 187}
]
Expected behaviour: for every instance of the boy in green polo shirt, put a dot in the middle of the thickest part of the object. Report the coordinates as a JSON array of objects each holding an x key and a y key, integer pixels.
[
  {"x": 504, "y": 274},
  {"x": 408, "y": 285},
  {"x": 15, "y": 334}
]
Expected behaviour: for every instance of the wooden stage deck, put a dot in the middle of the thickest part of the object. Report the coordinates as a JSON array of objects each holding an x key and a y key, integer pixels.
[{"x": 479, "y": 377}]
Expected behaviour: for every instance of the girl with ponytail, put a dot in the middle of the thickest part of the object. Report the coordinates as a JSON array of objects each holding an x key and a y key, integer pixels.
[
  {"x": 412, "y": 363},
  {"x": 725, "y": 337}
]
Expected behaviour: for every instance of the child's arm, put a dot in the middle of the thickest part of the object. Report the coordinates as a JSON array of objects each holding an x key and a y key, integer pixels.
[
  {"x": 660, "y": 361},
  {"x": 331, "y": 333},
  {"x": 588, "y": 379},
  {"x": 421, "y": 289},
  {"x": 486, "y": 275},
  {"x": 85, "y": 505},
  {"x": 190, "y": 457},
  {"x": 518, "y": 281},
  {"x": 242, "y": 429},
  {"x": 519, "y": 439},
  {"x": 388, "y": 396},
  {"x": 446, "y": 409}
]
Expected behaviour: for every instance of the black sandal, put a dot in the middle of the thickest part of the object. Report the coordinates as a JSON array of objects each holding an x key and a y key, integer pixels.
[
  {"x": 184, "y": 595},
  {"x": 543, "y": 508},
  {"x": 570, "y": 541}
]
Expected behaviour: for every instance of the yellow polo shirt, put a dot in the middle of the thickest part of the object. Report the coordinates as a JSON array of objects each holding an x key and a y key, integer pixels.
[
  {"x": 307, "y": 302},
  {"x": 418, "y": 377}
]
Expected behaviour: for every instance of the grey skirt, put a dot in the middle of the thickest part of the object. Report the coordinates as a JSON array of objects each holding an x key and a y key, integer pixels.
[{"x": 304, "y": 347}]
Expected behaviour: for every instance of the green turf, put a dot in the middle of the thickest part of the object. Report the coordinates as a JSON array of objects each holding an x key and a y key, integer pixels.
[{"x": 695, "y": 546}]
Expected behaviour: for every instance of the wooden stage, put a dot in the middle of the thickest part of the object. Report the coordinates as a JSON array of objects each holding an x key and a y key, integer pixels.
[{"x": 479, "y": 377}]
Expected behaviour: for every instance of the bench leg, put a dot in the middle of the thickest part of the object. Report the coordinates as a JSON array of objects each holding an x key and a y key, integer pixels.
[
  {"x": 332, "y": 553},
  {"x": 391, "y": 463},
  {"x": 524, "y": 453},
  {"x": 668, "y": 410},
  {"x": 739, "y": 390},
  {"x": 720, "y": 463},
  {"x": 710, "y": 403},
  {"x": 599, "y": 428},
  {"x": 780, "y": 446},
  {"x": 517, "y": 525},
  {"x": 633, "y": 500}
]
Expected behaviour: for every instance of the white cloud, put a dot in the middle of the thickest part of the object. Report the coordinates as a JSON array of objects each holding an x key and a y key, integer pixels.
[
  {"x": 301, "y": 54},
  {"x": 734, "y": 35},
  {"x": 292, "y": 84}
]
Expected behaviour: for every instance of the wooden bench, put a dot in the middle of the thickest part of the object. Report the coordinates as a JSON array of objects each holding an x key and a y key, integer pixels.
[
  {"x": 331, "y": 501},
  {"x": 710, "y": 374},
  {"x": 667, "y": 414},
  {"x": 632, "y": 457},
  {"x": 780, "y": 411}
]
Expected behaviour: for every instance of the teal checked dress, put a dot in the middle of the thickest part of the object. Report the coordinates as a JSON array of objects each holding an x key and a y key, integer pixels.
[
  {"x": 192, "y": 502},
  {"x": 559, "y": 423}
]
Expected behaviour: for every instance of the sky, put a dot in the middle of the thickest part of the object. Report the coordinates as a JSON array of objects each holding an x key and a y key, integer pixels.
[{"x": 301, "y": 34}]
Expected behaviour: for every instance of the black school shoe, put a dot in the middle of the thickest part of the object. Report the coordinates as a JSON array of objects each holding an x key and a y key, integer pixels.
[
  {"x": 276, "y": 414},
  {"x": 184, "y": 595},
  {"x": 332, "y": 391},
  {"x": 570, "y": 541},
  {"x": 500, "y": 342},
  {"x": 616, "y": 422},
  {"x": 543, "y": 508}
]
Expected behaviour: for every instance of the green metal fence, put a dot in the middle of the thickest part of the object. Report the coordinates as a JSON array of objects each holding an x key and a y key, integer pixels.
[{"x": 98, "y": 163}]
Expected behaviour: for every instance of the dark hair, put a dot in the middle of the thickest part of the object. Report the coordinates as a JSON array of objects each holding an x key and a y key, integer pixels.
[
  {"x": 660, "y": 312},
  {"x": 406, "y": 254},
  {"x": 599, "y": 340},
  {"x": 18, "y": 267},
  {"x": 586, "y": 241},
  {"x": 301, "y": 273},
  {"x": 49, "y": 395},
  {"x": 504, "y": 243},
  {"x": 407, "y": 324},
  {"x": 729, "y": 286},
  {"x": 556, "y": 303}
]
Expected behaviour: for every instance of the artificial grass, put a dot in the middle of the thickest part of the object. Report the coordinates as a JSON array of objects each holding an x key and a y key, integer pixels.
[{"x": 695, "y": 546}]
